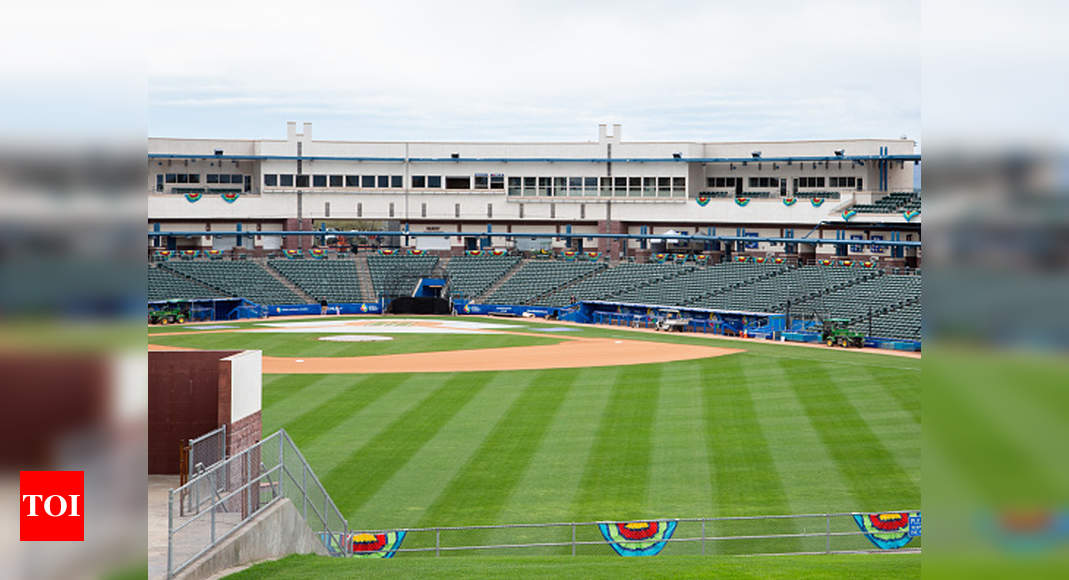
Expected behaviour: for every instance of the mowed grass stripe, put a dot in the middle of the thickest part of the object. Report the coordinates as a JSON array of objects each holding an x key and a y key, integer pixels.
[
  {"x": 286, "y": 397},
  {"x": 479, "y": 491},
  {"x": 885, "y": 417},
  {"x": 360, "y": 475},
  {"x": 548, "y": 488},
  {"x": 745, "y": 477},
  {"x": 903, "y": 386},
  {"x": 877, "y": 480},
  {"x": 810, "y": 477},
  {"x": 360, "y": 392},
  {"x": 404, "y": 499},
  {"x": 616, "y": 476},
  {"x": 679, "y": 476}
]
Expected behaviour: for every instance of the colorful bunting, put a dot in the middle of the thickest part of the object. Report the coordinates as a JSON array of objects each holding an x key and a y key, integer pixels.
[
  {"x": 868, "y": 264},
  {"x": 190, "y": 254},
  {"x": 910, "y": 215},
  {"x": 230, "y": 196},
  {"x": 164, "y": 254},
  {"x": 825, "y": 262},
  {"x": 498, "y": 252},
  {"x": 701, "y": 258},
  {"x": 703, "y": 200},
  {"x": 214, "y": 254},
  {"x": 474, "y": 252},
  {"x": 789, "y": 201},
  {"x": 415, "y": 252},
  {"x": 387, "y": 251},
  {"x": 742, "y": 201},
  {"x": 849, "y": 213},
  {"x": 817, "y": 201},
  {"x": 569, "y": 255},
  {"x": 889, "y": 531},
  {"x": 760, "y": 260},
  {"x": 194, "y": 196},
  {"x": 383, "y": 545},
  {"x": 741, "y": 259},
  {"x": 292, "y": 254},
  {"x": 318, "y": 253},
  {"x": 638, "y": 538},
  {"x": 593, "y": 256},
  {"x": 777, "y": 260},
  {"x": 681, "y": 257}
]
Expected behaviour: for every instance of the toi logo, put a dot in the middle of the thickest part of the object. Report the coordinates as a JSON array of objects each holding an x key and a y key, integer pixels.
[{"x": 51, "y": 506}]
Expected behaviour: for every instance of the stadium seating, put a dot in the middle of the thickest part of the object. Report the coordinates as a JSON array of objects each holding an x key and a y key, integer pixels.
[
  {"x": 398, "y": 274},
  {"x": 166, "y": 285},
  {"x": 246, "y": 280},
  {"x": 470, "y": 276},
  {"x": 694, "y": 284},
  {"x": 610, "y": 282},
  {"x": 536, "y": 278},
  {"x": 891, "y": 203},
  {"x": 904, "y": 322},
  {"x": 330, "y": 280},
  {"x": 882, "y": 293},
  {"x": 771, "y": 294}
]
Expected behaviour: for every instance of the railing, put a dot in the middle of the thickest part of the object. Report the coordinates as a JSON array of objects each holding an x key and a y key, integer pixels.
[
  {"x": 231, "y": 492},
  {"x": 827, "y": 533},
  {"x": 202, "y": 453}
]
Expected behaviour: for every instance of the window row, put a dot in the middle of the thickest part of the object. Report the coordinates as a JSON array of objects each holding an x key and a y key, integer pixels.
[
  {"x": 764, "y": 182},
  {"x": 844, "y": 182},
  {"x": 721, "y": 181},
  {"x": 320, "y": 180},
  {"x": 810, "y": 181},
  {"x": 592, "y": 186}
]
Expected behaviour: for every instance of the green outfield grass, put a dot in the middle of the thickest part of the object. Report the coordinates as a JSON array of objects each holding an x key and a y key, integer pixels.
[
  {"x": 301, "y": 344},
  {"x": 777, "y": 429},
  {"x": 787, "y": 567}
]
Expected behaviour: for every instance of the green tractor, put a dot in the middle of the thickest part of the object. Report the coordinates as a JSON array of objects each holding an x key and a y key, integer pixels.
[
  {"x": 168, "y": 315},
  {"x": 836, "y": 332}
]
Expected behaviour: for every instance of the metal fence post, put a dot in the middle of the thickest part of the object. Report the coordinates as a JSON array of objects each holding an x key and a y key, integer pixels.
[
  {"x": 702, "y": 536},
  {"x": 304, "y": 489},
  {"x": 170, "y": 530},
  {"x": 827, "y": 534},
  {"x": 573, "y": 538},
  {"x": 437, "y": 541}
]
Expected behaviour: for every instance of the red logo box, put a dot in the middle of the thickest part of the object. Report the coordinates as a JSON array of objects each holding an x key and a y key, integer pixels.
[{"x": 51, "y": 506}]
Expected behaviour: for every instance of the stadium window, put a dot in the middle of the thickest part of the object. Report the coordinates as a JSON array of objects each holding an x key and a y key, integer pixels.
[
  {"x": 384, "y": 181},
  {"x": 530, "y": 185},
  {"x": 367, "y": 181},
  {"x": 396, "y": 181},
  {"x": 515, "y": 186},
  {"x": 159, "y": 186},
  {"x": 560, "y": 185},
  {"x": 457, "y": 182},
  {"x": 620, "y": 184},
  {"x": 235, "y": 179},
  {"x": 285, "y": 180},
  {"x": 859, "y": 184},
  {"x": 194, "y": 178},
  {"x": 419, "y": 182},
  {"x": 172, "y": 178},
  {"x": 434, "y": 181},
  {"x": 679, "y": 184},
  {"x": 302, "y": 181},
  {"x": 220, "y": 178},
  {"x": 820, "y": 182},
  {"x": 335, "y": 180},
  {"x": 212, "y": 178},
  {"x": 482, "y": 181},
  {"x": 319, "y": 181},
  {"x": 352, "y": 181},
  {"x": 606, "y": 185},
  {"x": 183, "y": 178},
  {"x": 545, "y": 186},
  {"x": 590, "y": 184},
  {"x": 634, "y": 183},
  {"x": 497, "y": 181}
]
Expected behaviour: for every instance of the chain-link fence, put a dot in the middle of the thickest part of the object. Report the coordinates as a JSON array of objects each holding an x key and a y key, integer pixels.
[
  {"x": 202, "y": 453},
  {"x": 224, "y": 496}
]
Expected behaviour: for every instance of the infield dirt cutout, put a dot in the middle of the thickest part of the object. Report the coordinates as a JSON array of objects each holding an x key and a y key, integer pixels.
[{"x": 571, "y": 352}]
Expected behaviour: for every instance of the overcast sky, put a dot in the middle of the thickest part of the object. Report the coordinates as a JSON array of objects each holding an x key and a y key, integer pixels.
[{"x": 501, "y": 70}]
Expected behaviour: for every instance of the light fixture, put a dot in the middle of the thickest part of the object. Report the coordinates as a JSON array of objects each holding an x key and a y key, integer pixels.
[
  {"x": 840, "y": 152},
  {"x": 756, "y": 154},
  {"x": 677, "y": 156},
  {"x": 455, "y": 155}
]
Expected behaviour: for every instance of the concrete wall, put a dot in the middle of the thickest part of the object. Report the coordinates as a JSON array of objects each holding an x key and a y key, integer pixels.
[{"x": 276, "y": 532}]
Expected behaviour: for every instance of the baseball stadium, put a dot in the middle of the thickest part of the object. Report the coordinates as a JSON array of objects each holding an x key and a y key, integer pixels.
[{"x": 599, "y": 358}]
